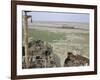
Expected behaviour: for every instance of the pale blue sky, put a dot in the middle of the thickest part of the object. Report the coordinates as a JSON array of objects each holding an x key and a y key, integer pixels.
[{"x": 58, "y": 16}]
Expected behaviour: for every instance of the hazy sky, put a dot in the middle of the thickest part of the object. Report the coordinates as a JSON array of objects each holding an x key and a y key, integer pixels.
[{"x": 58, "y": 16}]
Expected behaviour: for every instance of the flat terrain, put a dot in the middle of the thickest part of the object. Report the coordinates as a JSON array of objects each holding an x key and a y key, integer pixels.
[{"x": 63, "y": 40}]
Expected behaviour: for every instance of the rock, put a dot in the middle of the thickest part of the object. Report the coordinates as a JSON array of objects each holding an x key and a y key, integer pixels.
[
  {"x": 75, "y": 60},
  {"x": 41, "y": 52}
]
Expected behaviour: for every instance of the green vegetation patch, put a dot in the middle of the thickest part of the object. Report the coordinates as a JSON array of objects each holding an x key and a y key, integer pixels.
[{"x": 46, "y": 35}]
